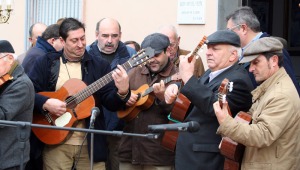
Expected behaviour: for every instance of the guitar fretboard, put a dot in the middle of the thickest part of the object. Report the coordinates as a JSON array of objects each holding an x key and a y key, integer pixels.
[
  {"x": 136, "y": 60},
  {"x": 150, "y": 89}
]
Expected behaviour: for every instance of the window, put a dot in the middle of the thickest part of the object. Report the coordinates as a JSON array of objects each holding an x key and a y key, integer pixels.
[{"x": 49, "y": 11}]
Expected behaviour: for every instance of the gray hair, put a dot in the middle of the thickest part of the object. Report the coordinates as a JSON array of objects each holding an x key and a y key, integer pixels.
[{"x": 245, "y": 15}]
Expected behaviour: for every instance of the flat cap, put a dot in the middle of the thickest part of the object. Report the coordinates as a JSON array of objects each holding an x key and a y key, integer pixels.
[
  {"x": 260, "y": 46},
  {"x": 224, "y": 37},
  {"x": 6, "y": 47},
  {"x": 157, "y": 41}
]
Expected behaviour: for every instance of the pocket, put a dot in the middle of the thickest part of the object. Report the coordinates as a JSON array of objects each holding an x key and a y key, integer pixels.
[
  {"x": 256, "y": 166},
  {"x": 206, "y": 148}
]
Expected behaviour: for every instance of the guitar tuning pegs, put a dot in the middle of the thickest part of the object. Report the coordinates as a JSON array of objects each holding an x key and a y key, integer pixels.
[
  {"x": 230, "y": 86},
  {"x": 224, "y": 98}
]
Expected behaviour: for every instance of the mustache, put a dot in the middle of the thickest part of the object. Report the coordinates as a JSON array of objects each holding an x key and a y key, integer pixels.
[
  {"x": 109, "y": 45},
  {"x": 153, "y": 62}
]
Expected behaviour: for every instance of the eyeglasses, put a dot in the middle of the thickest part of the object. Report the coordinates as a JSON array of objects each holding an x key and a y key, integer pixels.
[
  {"x": 172, "y": 45},
  {"x": 4, "y": 56},
  {"x": 234, "y": 27}
]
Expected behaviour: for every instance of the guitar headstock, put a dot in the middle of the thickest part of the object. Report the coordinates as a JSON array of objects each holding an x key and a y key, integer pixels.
[
  {"x": 225, "y": 87},
  {"x": 141, "y": 57}
]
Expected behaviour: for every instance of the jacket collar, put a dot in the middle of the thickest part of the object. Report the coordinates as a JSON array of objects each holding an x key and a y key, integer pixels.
[{"x": 262, "y": 88}]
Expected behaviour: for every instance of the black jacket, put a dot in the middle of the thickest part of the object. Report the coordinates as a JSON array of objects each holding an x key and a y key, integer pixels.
[{"x": 199, "y": 150}]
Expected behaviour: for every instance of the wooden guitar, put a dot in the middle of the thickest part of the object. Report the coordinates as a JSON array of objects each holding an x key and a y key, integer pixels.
[
  {"x": 145, "y": 100},
  {"x": 179, "y": 111},
  {"x": 232, "y": 150},
  {"x": 79, "y": 100}
]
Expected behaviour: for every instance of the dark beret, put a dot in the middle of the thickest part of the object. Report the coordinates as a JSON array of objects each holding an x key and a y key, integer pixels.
[{"x": 224, "y": 37}]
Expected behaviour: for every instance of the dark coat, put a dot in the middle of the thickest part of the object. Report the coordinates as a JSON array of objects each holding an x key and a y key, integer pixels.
[
  {"x": 122, "y": 54},
  {"x": 42, "y": 47},
  {"x": 44, "y": 76},
  {"x": 200, "y": 150},
  {"x": 16, "y": 104}
]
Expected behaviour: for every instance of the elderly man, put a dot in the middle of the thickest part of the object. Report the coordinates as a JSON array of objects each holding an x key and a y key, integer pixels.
[
  {"x": 193, "y": 150},
  {"x": 272, "y": 140},
  {"x": 174, "y": 51},
  {"x": 16, "y": 104}
]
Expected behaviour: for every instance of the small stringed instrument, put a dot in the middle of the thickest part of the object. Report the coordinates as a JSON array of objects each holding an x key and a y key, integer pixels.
[
  {"x": 232, "y": 150},
  {"x": 6, "y": 77},
  {"x": 79, "y": 100},
  {"x": 179, "y": 111},
  {"x": 145, "y": 100}
]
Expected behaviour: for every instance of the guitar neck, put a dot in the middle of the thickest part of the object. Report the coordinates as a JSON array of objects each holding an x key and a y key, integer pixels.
[
  {"x": 92, "y": 88},
  {"x": 150, "y": 89},
  {"x": 194, "y": 53}
]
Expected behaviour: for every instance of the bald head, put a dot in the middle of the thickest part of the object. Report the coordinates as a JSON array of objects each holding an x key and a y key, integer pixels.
[
  {"x": 108, "y": 33},
  {"x": 168, "y": 30},
  {"x": 171, "y": 32},
  {"x": 108, "y": 21},
  {"x": 36, "y": 30}
]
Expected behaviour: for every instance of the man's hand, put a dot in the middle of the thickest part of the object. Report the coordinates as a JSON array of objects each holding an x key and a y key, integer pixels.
[
  {"x": 121, "y": 79},
  {"x": 221, "y": 113},
  {"x": 132, "y": 100},
  {"x": 171, "y": 93},
  {"x": 186, "y": 69},
  {"x": 55, "y": 107},
  {"x": 159, "y": 90}
]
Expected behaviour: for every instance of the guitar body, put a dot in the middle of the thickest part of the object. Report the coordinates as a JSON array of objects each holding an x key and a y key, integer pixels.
[
  {"x": 79, "y": 100},
  {"x": 77, "y": 112},
  {"x": 232, "y": 150},
  {"x": 143, "y": 103},
  {"x": 178, "y": 113}
]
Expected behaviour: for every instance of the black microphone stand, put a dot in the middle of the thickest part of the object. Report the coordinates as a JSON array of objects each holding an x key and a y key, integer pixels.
[
  {"x": 92, "y": 147},
  {"x": 24, "y": 133}
]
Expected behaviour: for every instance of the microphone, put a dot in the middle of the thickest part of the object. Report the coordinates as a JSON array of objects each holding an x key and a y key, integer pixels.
[
  {"x": 94, "y": 113},
  {"x": 191, "y": 126}
]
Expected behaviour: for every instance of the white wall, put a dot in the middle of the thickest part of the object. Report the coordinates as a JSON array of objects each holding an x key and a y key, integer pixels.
[{"x": 138, "y": 18}]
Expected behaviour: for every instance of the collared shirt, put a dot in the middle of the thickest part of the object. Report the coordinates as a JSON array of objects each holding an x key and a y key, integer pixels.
[
  {"x": 214, "y": 74},
  {"x": 254, "y": 39}
]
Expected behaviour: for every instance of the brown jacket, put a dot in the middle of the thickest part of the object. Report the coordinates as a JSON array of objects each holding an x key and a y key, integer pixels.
[
  {"x": 199, "y": 68},
  {"x": 272, "y": 140},
  {"x": 141, "y": 150}
]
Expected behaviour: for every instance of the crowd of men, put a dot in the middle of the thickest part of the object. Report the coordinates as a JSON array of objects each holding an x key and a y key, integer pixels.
[{"x": 61, "y": 78}]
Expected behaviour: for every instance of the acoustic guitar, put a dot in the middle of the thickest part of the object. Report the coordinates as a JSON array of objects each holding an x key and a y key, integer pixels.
[
  {"x": 79, "y": 100},
  {"x": 179, "y": 110},
  {"x": 232, "y": 150},
  {"x": 145, "y": 100}
]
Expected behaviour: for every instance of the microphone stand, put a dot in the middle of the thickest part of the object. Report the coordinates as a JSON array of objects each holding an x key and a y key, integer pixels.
[
  {"x": 24, "y": 133},
  {"x": 92, "y": 147}
]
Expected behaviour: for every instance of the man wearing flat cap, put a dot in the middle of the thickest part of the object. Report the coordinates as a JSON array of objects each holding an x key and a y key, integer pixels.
[
  {"x": 143, "y": 153},
  {"x": 200, "y": 150},
  {"x": 272, "y": 140},
  {"x": 16, "y": 104}
]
